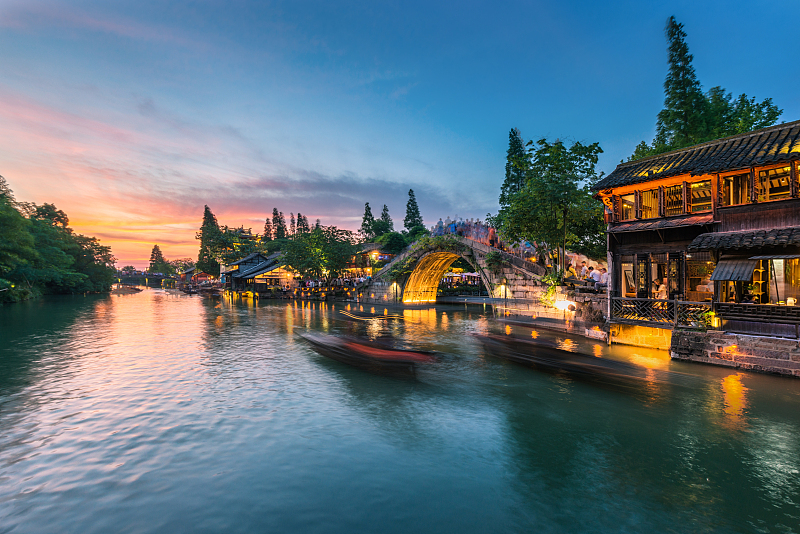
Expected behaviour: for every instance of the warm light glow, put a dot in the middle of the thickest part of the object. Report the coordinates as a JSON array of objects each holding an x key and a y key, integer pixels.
[
  {"x": 735, "y": 398},
  {"x": 563, "y": 304},
  {"x": 508, "y": 330}
]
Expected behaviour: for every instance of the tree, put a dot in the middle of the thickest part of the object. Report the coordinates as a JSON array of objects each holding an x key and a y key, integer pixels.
[
  {"x": 208, "y": 235},
  {"x": 181, "y": 264},
  {"x": 384, "y": 225},
  {"x": 322, "y": 253},
  {"x": 682, "y": 122},
  {"x": 516, "y": 163},
  {"x": 690, "y": 116},
  {"x": 552, "y": 207},
  {"x": 279, "y": 224},
  {"x": 413, "y": 217},
  {"x": 367, "y": 223},
  {"x": 302, "y": 224},
  {"x": 128, "y": 269},
  {"x": 292, "y": 225},
  {"x": 393, "y": 242},
  {"x": 17, "y": 244},
  {"x": 267, "y": 235},
  {"x": 157, "y": 262}
]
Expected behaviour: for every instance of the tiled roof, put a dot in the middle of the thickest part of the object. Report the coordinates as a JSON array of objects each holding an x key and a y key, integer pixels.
[
  {"x": 658, "y": 224},
  {"x": 747, "y": 239},
  {"x": 775, "y": 144}
]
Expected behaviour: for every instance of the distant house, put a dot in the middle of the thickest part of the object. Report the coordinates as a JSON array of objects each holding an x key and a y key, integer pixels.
[{"x": 193, "y": 276}]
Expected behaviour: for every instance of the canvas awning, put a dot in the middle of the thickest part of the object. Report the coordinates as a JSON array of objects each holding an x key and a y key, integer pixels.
[
  {"x": 734, "y": 270},
  {"x": 777, "y": 257}
]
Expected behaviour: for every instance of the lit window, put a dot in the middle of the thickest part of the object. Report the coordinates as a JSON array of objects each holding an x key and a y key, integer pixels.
[
  {"x": 649, "y": 204},
  {"x": 628, "y": 207},
  {"x": 700, "y": 197},
  {"x": 673, "y": 200},
  {"x": 735, "y": 189},
  {"x": 774, "y": 184}
]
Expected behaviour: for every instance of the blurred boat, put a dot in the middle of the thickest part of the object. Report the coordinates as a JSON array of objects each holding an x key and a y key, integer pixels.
[
  {"x": 366, "y": 316},
  {"x": 369, "y": 355},
  {"x": 548, "y": 357}
]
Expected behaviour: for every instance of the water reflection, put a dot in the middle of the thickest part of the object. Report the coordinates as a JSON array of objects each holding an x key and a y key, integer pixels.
[{"x": 113, "y": 406}]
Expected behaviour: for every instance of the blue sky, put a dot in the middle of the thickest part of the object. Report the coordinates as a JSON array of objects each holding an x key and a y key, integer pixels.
[{"x": 131, "y": 116}]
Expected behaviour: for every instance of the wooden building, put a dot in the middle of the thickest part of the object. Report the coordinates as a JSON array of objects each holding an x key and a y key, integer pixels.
[{"x": 710, "y": 228}]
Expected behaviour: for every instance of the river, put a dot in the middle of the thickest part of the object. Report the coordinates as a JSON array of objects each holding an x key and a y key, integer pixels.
[{"x": 159, "y": 412}]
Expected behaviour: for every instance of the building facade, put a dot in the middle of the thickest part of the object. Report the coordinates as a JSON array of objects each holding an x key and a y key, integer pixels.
[{"x": 708, "y": 235}]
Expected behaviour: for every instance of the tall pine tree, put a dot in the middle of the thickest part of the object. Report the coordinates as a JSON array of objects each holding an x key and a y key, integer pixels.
[
  {"x": 682, "y": 122},
  {"x": 292, "y": 225},
  {"x": 689, "y": 116},
  {"x": 413, "y": 217},
  {"x": 157, "y": 262},
  {"x": 367, "y": 223},
  {"x": 267, "y": 236},
  {"x": 516, "y": 163},
  {"x": 208, "y": 235}
]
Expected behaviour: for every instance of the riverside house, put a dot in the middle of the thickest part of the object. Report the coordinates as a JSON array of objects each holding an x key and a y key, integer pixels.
[{"x": 707, "y": 237}]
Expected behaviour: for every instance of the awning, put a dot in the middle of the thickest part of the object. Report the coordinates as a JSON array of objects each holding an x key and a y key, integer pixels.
[
  {"x": 661, "y": 224},
  {"x": 259, "y": 269},
  {"x": 777, "y": 257},
  {"x": 734, "y": 270}
]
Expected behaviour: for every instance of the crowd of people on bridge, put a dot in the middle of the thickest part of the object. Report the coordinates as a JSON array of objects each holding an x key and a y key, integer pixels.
[
  {"x": 333, "y": 284},
  {"x": 479, "y": 231}
]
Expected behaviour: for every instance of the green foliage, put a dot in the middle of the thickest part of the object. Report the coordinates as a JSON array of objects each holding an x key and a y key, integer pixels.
[
  {"x": 157, "y": 262},
  {"x": 516, "y": 163},
  {"x": 128, "y": 269},
  {"x": 367, "y": 223},
  {"x": 690, "y": 116},
  {"x": 405, "y": 266},
  {"x": 42, "y": 254},
  {"x": 555, "y": 206},
  {"x": 268, "y": 232},
  {"x": 551, "y": 280},
  {"x": 208, "y": 235},
  {"x": 279, "y": 224},
  {"x": 324, "y": 252},
  {"x": 413, "y": 217},
  {"x": 495, "y": 261},
  {"x": 393, "y": 242},
  {"x": 384, "y": 225},
  {"x": 415, "y": 233}
]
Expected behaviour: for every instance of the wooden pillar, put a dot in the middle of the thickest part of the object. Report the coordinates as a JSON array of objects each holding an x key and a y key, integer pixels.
[
  {"x": 637, "y": 204},
  {"x": 685, "y": 197},
  {"x": 716, "y": 195},
  {"x": 793, "y": 178},
  {"x": 661, "y": 201},
  {"x": 753, "y": 192}
]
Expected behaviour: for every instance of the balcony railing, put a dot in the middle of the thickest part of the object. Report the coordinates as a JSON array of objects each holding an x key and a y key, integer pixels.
[{"x": 660, "y": 313}]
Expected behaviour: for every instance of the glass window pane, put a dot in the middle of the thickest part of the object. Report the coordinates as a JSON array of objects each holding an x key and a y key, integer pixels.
[
  {"x": 628, "y": 207},
  {"x": 735, "y": 189},
  {"x": 774, "y": 184},
  {"x": 700, "y": 198},
  {"x": 650, "y": 204},
  {"x": 673, "y": 200}
]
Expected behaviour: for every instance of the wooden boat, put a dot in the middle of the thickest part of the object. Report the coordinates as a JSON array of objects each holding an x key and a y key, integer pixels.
[
  {"x": 368, "y": 355},
  {"x": 367, "y": 316},
  {"x": 547, "y": 357}
]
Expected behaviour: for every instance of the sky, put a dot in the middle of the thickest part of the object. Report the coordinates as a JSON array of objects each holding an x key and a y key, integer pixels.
[{"x": 132, "y": 115}]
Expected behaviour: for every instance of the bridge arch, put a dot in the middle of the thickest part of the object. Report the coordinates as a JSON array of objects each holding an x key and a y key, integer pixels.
[
  {"x": 417, "y": 271},
  {"x": 423, "y": 282}
]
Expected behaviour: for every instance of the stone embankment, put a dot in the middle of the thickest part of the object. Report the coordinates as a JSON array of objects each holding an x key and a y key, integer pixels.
[{"x": 753, "y": 353}]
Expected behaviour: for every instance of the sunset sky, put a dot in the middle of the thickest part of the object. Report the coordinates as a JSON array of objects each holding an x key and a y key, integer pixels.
[{"x": 130, "y": 116}]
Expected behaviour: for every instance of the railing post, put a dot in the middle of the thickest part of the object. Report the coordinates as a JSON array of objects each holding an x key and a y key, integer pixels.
[{"x": 676, "y": 314}]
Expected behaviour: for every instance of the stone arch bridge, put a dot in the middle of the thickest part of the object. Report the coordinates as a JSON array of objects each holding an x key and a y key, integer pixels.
[{"x": 413, "y": 276}]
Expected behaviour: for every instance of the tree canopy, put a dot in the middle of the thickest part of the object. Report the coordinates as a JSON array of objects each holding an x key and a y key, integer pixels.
[
  {"x": 690, "y": 116},
  {"x": 41, "y": 254},
  {"x": 208, "y": 235},
  {"x": 413, "y": 217},
  {"x": 367, "y": 223},
  {"x": 157, "y": 262},
  {"x": 324, "y": 252},
  {"x": 554, "y": 208}
]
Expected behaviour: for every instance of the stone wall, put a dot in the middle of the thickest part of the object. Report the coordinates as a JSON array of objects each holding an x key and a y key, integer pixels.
[{"x": 755, "y": 353}]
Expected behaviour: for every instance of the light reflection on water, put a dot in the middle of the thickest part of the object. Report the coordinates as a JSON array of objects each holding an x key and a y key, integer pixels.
[{"x": 160, "y": 413}]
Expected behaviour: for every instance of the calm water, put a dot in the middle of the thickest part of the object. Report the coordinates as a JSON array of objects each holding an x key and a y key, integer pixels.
[{"x": 163, "y": 413}]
